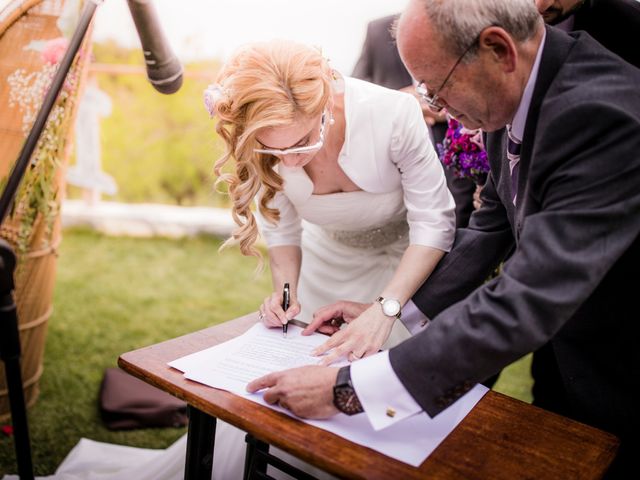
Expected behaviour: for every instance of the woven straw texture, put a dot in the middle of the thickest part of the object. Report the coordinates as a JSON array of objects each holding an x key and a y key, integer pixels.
[{"x": 21, "y": 23}]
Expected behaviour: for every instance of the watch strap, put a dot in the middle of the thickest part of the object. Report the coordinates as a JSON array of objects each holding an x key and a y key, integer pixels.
[
  {"x": 344, "y": 376},
  {"x": 344, "y": 395}
]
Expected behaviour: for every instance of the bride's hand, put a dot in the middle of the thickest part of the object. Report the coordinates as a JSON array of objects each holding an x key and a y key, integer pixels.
[
  {"x": 362, "y": 337},
  {"x": 328, "y": 319},
  {"x": 271, "y": 312}
]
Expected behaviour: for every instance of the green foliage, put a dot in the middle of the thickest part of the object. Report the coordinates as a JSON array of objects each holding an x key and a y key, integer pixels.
[
  {"x": 515, "y": 380},
  {"x": 37, "y": 199},
  {"x": 172, "y": 287},
  {"x": 159, "y": 148}
]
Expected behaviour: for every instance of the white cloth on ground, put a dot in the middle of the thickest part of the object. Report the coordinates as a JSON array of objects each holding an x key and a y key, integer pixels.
[{"x": 91, "y": 460}]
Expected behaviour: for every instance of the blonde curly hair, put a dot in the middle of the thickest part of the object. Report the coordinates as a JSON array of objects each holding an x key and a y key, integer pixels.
[{"x": 264, "y": 85}]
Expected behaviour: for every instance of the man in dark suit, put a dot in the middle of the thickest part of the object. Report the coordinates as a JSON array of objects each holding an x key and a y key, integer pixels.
[
  {"x": 381, "y": 64},
  {"x": 562, "y": 202},
  {"x": 614, "y": 23}
]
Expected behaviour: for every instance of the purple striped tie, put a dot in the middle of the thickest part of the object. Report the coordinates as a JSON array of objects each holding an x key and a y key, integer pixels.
[{"x": 513, "y": 154}]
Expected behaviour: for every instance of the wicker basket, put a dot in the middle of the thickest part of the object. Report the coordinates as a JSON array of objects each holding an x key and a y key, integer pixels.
[{"x": 22, "y": 22}]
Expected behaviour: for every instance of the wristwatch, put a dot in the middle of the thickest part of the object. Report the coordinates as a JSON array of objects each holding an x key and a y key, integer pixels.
[
  {"x": 344, "y": 395},
  {"x": 390, "y": 307}
]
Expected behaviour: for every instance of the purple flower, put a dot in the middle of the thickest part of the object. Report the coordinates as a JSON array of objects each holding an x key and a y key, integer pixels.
[{"x": 462, "y": 151}]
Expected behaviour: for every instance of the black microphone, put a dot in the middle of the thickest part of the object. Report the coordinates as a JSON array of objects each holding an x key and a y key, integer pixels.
[{"x": 164, "y": 70}]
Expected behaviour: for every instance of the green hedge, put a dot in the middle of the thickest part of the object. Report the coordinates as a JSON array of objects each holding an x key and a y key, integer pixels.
[{"x": 159, "y": 148}]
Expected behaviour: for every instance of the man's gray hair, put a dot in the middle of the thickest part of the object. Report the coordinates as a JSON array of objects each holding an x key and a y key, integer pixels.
[{"x": 459, "y": 22}]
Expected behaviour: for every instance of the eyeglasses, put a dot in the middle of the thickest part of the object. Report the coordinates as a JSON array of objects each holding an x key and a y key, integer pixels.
[
  {"x": 295, "y": 150},
  {"x": 432, "y": 101}
]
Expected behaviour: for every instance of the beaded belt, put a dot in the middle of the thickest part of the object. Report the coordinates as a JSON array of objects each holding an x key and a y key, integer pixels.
[{"x": 372, "y": 238}]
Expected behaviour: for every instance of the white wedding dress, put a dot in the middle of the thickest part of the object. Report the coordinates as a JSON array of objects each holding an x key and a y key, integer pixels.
[
  {"x": 352, "y": 243},
  {"x": 91, "y": 460}
]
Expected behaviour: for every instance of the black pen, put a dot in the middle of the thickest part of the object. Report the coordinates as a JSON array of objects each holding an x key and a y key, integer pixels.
[{"x": 286, "y": 298}]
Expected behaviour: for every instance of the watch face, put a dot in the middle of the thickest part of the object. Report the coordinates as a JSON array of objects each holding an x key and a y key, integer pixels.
[
  {"x": 346, "y": 400},
  {"x": 391, "y": 307}
]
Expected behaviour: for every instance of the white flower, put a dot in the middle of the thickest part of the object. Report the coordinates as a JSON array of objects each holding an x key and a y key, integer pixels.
[{"x": 212, "y": 96}]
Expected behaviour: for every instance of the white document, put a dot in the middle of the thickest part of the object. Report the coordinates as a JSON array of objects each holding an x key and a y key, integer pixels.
[
  {"x": 231, "y": 365},
  {"x": 258, "y": 352}
]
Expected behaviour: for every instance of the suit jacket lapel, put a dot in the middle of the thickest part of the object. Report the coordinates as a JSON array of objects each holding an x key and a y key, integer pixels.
[{"x": 556, "y": 49}]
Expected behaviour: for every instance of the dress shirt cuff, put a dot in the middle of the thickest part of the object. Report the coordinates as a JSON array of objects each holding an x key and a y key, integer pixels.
[
  {"x": 413, "y": 319},
  {"x": 386, "y": 405}
]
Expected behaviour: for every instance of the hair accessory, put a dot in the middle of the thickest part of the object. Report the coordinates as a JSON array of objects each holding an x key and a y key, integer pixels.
[{"x": 212, "y": 95}]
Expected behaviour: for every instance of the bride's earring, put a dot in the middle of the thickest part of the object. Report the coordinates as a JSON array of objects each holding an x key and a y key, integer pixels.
[{"x": 332, "y": 120}]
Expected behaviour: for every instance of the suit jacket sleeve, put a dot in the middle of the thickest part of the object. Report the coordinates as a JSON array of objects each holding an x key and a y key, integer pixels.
[
  {"x": 461, "y": 271},
  {"x": 584, "y": 177}
]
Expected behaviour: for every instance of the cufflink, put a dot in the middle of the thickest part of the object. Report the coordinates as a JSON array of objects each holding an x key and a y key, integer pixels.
[{"x": 391, "y": 412}]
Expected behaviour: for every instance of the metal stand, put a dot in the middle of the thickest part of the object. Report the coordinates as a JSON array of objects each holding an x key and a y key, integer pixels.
[
  {"x": 9, "y": 336},
  {"x": 200, "y": 443},
  {"x": 258, "y": 458},
  {"x": 10, "y": 355}
]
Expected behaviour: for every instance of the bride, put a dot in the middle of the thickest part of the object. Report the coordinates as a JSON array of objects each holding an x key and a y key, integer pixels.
[
  {"x": 351, "y": 200},
  {"x": 351, "y": 197}
]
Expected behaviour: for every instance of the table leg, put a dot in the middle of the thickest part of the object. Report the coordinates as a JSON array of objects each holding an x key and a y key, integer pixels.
[
  {"x": 200, "y": 443},
  {"x": 255, "y": 465}
]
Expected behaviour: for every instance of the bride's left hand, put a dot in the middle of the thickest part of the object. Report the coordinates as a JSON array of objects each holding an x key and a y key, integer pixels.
[{"x": 362, "y": 337}]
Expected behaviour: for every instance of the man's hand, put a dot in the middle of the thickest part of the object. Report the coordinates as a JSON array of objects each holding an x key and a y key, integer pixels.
[
  {"x": 477, "y": 200},
  {"x": 431, "y": 118},
  {"x": 305, "y": 391},
  {"x": 328, "y": 319}
]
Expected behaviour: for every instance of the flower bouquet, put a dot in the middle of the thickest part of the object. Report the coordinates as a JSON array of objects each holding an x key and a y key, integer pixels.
[{"x": 462, "y": 151}]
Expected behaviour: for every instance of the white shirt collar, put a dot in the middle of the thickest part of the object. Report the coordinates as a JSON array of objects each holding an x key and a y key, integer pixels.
[{"x": 520, "y": 118}]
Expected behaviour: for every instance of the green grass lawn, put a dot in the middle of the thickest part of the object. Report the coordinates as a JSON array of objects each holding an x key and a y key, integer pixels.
[{"x": 118, "y": 294}]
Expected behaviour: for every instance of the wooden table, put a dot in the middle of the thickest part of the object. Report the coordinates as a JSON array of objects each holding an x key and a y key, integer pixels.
[{"x": 502, "y": 438}]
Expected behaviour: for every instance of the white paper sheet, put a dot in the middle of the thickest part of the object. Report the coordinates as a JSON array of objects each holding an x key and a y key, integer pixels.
[{"x": 230, "y": 365}]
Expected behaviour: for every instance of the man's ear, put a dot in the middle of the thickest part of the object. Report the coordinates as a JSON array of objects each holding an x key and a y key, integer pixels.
[{"x": 498, "y": 45}]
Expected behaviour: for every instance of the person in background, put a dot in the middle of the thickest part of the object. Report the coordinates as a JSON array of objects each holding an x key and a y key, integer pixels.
[
  {"x": 613, "y": 23},
  {"x": 562, "y": 198},
  {"x": 380, "y": 63}
]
